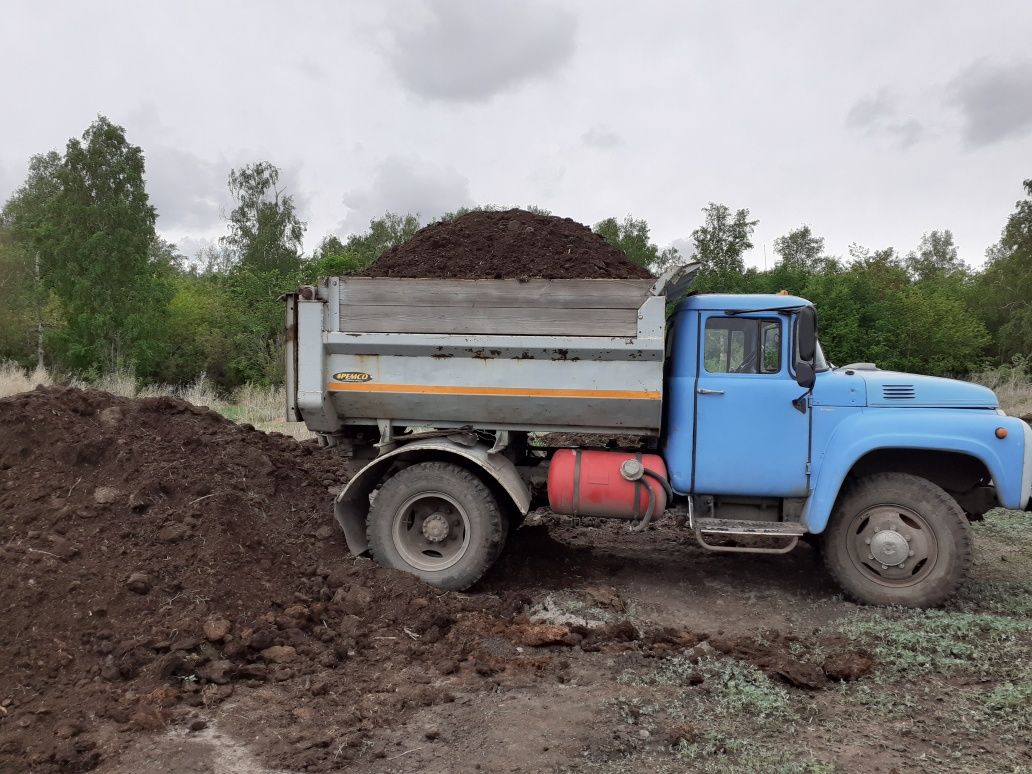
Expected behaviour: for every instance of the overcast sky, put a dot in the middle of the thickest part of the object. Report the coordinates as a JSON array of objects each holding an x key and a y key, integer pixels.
[{"x": 871, "y": 122}]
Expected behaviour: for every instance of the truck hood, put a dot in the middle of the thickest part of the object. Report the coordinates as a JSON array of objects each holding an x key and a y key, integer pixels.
[{"x": 895, "y": 389}]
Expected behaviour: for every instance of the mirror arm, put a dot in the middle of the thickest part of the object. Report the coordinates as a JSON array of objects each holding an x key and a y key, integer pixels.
[{"x": 799, "y": 404}]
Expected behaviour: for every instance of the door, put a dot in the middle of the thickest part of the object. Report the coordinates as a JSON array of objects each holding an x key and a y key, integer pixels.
[{"x": 750, "y": 438}]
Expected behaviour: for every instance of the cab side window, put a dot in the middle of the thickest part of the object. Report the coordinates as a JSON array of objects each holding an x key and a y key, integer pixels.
[{"x": 742, "y": 345}]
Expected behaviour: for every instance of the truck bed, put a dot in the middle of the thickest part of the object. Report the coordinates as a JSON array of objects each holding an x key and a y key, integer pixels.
[{"x": 535, "y": 355}]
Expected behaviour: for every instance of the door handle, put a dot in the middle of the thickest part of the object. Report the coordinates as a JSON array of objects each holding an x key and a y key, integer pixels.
[{"x": 704, "y": 391}]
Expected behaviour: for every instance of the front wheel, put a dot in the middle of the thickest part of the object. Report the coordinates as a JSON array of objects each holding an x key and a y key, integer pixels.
[
  {"x": 898, "y": 539},
  {"x": 438, "y": 521}
]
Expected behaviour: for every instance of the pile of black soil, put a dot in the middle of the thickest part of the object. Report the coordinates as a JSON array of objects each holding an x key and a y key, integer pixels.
[{"x": 513, "y": 244}]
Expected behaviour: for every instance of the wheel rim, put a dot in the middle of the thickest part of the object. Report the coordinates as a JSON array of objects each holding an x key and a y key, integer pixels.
[
  {"x": 892, "y": 545},
  {"x": 431, "y": 531}
]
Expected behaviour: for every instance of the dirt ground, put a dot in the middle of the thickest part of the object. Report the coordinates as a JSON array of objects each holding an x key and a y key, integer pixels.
[
  {"x": 260, "y": 645},
  {"x": 952, "y": 696}
]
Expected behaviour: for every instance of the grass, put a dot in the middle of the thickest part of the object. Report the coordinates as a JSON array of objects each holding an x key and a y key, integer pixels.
[
  {"x": 911, "y": 643},
  {"x": 261, "y": 406},
  {"x": 1012, "y": 701},
  {"x": 733, "y": 687},
  {"x": 722, "y": 754}
]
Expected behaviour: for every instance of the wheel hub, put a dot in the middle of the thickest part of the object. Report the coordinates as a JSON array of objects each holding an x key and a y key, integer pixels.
[
  {"x": 889, "y": 547},
  {"x": 436, "y": 527}
]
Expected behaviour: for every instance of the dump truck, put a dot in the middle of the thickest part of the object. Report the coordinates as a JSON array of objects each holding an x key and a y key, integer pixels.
[{"x": 721, "y": 411}]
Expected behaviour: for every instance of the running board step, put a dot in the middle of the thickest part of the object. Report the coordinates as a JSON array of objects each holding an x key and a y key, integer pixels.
[{"x": 739, "y": 528}]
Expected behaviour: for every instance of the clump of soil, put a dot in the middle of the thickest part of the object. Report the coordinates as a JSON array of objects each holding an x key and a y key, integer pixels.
[{"x": 513, "y": 244}]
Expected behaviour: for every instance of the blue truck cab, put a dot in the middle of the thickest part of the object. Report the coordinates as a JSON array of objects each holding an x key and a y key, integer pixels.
[{"x": 886, "y": 466}]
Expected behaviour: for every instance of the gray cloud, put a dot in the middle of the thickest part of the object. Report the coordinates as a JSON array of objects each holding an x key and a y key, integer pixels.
[
  {"x": 193, "y": 247},
  {"x": 685, "y": 246},
  {"x": 406, "y": 186},
  {"x": 871, "y": 111},
  {"x": 879, "y": 115},
  {"x": 191, "y": 194},
  {"x": 468, "y": 52},
  {"x": 602, "y": 138},
  {"x": 188, "y": 192},
  {"x": 312, "y": 69},
  {"x": 995, "y": 100}
]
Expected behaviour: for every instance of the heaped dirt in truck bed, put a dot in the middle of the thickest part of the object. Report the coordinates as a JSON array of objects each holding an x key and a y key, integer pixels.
[{"x": 512, "y": 244}]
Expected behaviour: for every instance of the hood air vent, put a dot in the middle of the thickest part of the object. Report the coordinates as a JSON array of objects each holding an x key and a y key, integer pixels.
[{"x": 898, "y": 392}]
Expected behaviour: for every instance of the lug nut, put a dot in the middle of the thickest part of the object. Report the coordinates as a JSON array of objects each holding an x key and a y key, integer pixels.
[
  {"x": 885, "y": 566},
  {"x": 911, "y": 553}
]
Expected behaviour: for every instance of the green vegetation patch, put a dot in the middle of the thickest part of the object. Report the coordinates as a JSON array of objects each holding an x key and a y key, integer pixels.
[
  {"x": 1011, "y": 703},
  {"x": 1013, "y": 528},
  {"x": 725, "y": 688},
  {"x": 911, "y": 643},
  {"x": 723, "y": 754}
]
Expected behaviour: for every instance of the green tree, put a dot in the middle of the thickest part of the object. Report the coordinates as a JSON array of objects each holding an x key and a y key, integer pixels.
[
  {"x": 799, "y": 249},
  {"x": 25, "y": 217},
  {"x": 1003, "y": 294},
  {"x": 334, "y": 258},
  {"x": 20, "y": 308},
  {"x": 631, "y": 236},
  {"x": 936, "y": 257},
  {"x": 721, "y": 242},
  {"x": 265, "y": 232},
  {"x": 92, "y": 223}
]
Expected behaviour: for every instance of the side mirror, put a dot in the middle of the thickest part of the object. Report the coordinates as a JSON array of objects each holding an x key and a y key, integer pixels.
[
  {"x": 805, "y": 376},
  {"x": 806, "y": 334}
]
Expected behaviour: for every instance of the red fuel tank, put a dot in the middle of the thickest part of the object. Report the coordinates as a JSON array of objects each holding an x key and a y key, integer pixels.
[{"x": 585, "y": 482}]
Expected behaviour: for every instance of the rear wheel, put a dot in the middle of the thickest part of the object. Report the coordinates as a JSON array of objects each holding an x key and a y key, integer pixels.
[
  {"x": 438, "y": 521},
  {"x": 898, "y": 539}
]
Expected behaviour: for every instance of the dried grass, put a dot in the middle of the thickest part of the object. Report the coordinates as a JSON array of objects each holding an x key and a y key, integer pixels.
[
  {"x": 15, "y": 379},
  {"x": 1012, "y": 387},
  {"x": 262, "y": 407}
]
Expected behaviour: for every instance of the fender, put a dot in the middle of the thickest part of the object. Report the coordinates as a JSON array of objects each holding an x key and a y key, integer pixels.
[
  {"x": 970, "y": 432},
  {"x": 351, "y": 506}
]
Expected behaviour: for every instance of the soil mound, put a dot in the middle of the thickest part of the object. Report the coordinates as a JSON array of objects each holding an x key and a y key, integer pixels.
[
  {"x": 155, "y": 557},
  {"x": 513, "y": 244}
]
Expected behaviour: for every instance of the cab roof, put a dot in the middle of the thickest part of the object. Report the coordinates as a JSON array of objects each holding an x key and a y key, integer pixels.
[{"x": 746, "y": 302}]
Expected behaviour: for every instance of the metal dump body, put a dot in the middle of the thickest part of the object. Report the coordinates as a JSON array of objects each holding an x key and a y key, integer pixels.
[{"x": 534, "y": 355}]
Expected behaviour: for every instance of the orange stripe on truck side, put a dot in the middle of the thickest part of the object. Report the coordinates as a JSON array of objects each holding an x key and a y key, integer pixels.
[{"x": 526, "y": 392}]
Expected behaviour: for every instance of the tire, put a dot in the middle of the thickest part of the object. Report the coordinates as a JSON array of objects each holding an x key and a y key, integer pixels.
[
  {"x": 439, "y": 522},
  {"x": 887, "y": 516}
]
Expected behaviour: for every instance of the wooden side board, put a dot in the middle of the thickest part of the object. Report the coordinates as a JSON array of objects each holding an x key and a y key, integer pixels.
[
  {"x": 500, "y": 320},
  {"x": 507, "y": 307},
  {"x": 539, "y": 293}
]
